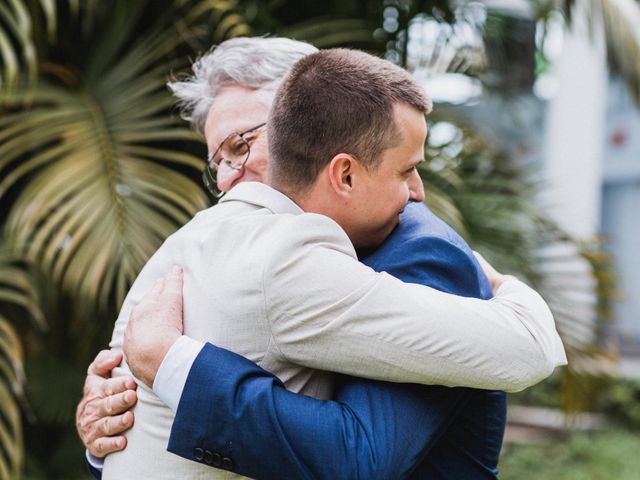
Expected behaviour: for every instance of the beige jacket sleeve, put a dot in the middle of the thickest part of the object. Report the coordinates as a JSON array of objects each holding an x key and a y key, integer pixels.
[{"x": 330, "y": 312}]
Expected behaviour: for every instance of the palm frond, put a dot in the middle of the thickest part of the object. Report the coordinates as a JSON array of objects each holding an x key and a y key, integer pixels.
[
  {"x": 95, "y": 172},
  {"x": 106, "y": 173},
  {"x": 622, "y": 31},
  {"x": 24, "y": 26},
  {"x": 577, "y": 280},
  {"x": 439, "y": 47},
  {"x": 621, "y": 19},
  {"x": 17, "y": 295},
  {"x": 17, "y": 46},
  {"x": 101, "y": 189},
  {"x": 328, "y": 32},
  {"x": 11, "y": 385}
]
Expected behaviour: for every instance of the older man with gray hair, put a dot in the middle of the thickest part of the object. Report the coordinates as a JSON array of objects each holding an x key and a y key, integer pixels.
[{"x": 349, "y": 319}]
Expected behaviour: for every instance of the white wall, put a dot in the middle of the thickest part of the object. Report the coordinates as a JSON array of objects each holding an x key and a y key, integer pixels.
[{"x": 575, "y": 129}]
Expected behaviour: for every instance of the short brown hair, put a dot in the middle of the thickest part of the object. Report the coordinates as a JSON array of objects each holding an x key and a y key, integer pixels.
[{"x": 336, "y": 101}]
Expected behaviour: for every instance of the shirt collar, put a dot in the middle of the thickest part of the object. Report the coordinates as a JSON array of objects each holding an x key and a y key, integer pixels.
[{"x": 262, "y": 195}]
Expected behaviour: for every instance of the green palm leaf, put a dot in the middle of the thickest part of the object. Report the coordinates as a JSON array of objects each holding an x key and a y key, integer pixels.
[
  {"x": 95, "y": 172},
  {"x": 15, "y": 291},
  {"x": 105, "y": 173},
  {"x": 17, "y": 46},
  {"x": 12, "y": 375},
  {"x": 328, "y": 32},
  {"x": 98, "y": 192},
  {"x": 25, "y": 26},
  {"x": 622, "y": 31}
]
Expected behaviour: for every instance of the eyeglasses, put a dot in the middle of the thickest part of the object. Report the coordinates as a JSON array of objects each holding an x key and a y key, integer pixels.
[{"x": 232, "y": 153}]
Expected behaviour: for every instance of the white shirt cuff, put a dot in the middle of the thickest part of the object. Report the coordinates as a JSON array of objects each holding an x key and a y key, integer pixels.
[
  {"x": 174, "y": 370},
  {"x": 95, "y": 462}
]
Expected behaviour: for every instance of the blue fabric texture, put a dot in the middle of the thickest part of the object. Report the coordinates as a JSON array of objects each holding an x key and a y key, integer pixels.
[
  {"x": 232, "y": 409},
  {"x": 95, "y": 473}
]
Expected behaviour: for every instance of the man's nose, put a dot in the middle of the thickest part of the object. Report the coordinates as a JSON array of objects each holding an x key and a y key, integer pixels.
[
  {"x": 226, "y": 176},
  {"x": 416, "y": 188}
]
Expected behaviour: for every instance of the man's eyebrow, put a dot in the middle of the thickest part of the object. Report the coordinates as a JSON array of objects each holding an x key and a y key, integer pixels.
[
  {"x": 228, "y": 134},
  {"x": 415, "y": 162}
]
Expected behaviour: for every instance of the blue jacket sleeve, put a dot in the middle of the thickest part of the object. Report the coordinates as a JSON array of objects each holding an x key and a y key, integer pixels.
[
  {"x": 95, "y": 473},
  {"x": 235, "y": 415},
  {"x": 244, "y": 419}
]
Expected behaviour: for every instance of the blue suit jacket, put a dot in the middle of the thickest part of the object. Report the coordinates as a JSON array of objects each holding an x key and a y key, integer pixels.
[{"x": 237, "y": 416}]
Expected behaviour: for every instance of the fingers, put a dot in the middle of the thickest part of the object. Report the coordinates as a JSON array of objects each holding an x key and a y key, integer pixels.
[
  {"x": 173, "y": 282},
  {"x": 115, "y": 425},
  {"x": 118, "y": 403},
  {"x": 105, "y": 417},
  {"x": 495, "y": 278},
  {"x": 105, "y": 361},
  {"x": 101, "y": 409},
  {"x": 480, "y": 258},
  {"x": 486, "y": 266},
  {"x": 157, "y": 288},
  {"x": 118, "y": 385},
  {"x": 154, "y": 325},
  {"x": 171, "y": 301},
  {"x": 106, "y": 445},
  {"x": 98, "y": 387}
]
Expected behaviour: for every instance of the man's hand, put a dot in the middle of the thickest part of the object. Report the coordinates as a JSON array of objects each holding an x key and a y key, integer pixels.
[
  {"x": 495, "y": 278},
  {"x": 102, "y": 414},
  {"x": 154, "y": 326}
]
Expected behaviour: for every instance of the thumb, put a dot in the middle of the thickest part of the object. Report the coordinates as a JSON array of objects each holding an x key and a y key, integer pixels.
[
  {"x": 104, "y": 362},
  {"x": 156, "y": 289},
  {"x": 173, "y": 282}
]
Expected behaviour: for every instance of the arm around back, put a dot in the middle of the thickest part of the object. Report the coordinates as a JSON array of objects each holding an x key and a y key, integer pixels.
[
  {"x": 233, "y": 409},
  {"x": 237, "y": 416},
  {"x": 328, "y": 311}
]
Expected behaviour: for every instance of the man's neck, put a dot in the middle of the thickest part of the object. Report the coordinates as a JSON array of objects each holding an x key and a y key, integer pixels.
[
  {"x": 317, "y": 198},
  {"x": 308, "y": 199}
]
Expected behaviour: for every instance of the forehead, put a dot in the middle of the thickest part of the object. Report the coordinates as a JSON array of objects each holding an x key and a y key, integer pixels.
[
  {"x": 235, "y": 109},
  {"x": 410, "y": 122},
  {"x": 412, "y": 128}
]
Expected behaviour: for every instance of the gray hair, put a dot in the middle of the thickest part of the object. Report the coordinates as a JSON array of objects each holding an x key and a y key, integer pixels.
[{"x": 257, "y": 63}]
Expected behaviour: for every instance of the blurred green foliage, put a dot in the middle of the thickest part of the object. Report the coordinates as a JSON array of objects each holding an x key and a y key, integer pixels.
[
  {"x": 611, "y": 455},
  {"x": 616, "y": 398}
]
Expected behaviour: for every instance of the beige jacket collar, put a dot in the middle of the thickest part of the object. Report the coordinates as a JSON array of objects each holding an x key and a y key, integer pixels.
[{"x": 262, "y": 195}]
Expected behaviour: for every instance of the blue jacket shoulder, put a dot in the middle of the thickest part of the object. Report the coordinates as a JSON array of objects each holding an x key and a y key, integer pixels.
[{"x": 424, "y": 249}]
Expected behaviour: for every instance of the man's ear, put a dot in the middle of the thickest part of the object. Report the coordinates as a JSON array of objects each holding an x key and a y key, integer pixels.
[{"x": 341, "y": 170}]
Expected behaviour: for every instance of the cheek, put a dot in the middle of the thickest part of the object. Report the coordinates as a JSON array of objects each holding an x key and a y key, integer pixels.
[
  {"x": 397, "y": 196},
  {"x": 258, "y": 162}
]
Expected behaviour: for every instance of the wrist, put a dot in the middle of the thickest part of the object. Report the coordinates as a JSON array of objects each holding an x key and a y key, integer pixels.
[
  {"x": 144, "y": 359},
  {"x": 159, "y": 355}
]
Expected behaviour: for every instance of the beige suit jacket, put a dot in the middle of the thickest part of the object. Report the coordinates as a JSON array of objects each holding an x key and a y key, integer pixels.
[{"x": 284, "y": 289}]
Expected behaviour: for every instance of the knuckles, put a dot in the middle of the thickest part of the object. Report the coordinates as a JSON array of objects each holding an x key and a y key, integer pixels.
[{"x": 104, "y": 426}]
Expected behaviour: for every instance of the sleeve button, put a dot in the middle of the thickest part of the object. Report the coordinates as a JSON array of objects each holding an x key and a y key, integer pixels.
[
  {"x": 227, "y": 464},
  {"x": 198, "y": 454}
]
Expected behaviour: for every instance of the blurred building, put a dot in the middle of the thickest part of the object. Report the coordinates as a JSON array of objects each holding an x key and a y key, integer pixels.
[
  {"x": 592, "y": 159},
  {"x": 620, "y": 212}
]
